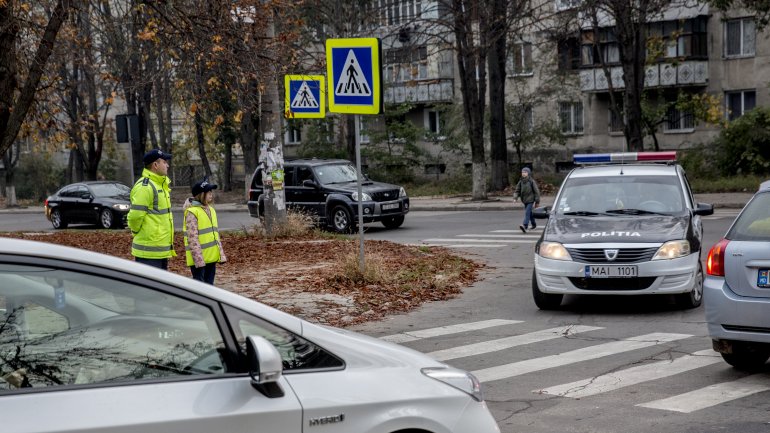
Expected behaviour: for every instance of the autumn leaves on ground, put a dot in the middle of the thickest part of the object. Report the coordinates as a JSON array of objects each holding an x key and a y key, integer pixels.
[{"x": 313, "y": 276}]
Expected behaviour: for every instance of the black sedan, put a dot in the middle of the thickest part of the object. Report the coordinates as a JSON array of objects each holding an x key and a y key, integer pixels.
[{"x": 104, "y": 203}]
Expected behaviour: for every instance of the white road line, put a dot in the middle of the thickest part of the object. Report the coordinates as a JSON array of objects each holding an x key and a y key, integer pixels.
[
  {"x": 447, "y": 330},
  {"x": 509, "y": 342},
  {"x": 579, "y": 355},
  {"x": 539, "y": 229},
  {"x": 507, "y": 241},
  {"x": 712, "y": 395},
  {"x": 519, "y": 236},
  {"x": 633, "y": 376},
  {"x": 458, "y": 245}
]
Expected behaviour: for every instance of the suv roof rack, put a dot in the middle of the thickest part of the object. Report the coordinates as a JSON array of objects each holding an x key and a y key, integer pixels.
[{"x": 668, "y": 157}]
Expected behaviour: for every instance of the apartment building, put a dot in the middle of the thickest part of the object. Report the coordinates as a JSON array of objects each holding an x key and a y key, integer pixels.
[{"x": 702, "y": 51}]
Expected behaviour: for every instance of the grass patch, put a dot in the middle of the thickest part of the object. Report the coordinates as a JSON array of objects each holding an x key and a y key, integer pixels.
[
  {"x": 446, "y": 185},
  {"x": 747, "y": 183}
]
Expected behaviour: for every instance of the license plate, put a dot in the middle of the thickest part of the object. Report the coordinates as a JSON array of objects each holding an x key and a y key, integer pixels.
[
  {"x": 390, "y": 206},
  {"x": 763, "y": 278},
  {"x": 610, "y": 271}
]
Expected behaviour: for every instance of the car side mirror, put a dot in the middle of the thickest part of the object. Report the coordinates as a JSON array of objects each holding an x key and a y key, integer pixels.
[
  {"x": 703, "y": 209},
  {"x": 541, "y": 212},
  {"x": 265, "y": 366},
  {"x": 309, "y": 183},
  {"x": 87, "y": 196}
]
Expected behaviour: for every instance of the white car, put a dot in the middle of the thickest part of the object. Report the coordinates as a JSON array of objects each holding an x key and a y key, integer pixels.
[{"x": 94, "y": 343}]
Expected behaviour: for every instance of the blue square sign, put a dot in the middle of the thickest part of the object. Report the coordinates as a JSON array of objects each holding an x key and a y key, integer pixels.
[
  {"x": 353, "y": 69},
  {"x": 305, "y": 96}
]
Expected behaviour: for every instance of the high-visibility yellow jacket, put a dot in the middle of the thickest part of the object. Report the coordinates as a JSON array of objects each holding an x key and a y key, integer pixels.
[
  {"x": 208, "y": 234},
  {"x": 150, "y": 218}
]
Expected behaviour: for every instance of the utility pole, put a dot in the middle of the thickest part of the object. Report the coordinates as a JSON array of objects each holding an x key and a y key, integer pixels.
[{"x": 271, "y": 149}]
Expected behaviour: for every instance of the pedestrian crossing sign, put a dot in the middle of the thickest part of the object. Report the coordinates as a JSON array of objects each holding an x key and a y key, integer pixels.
[
  {"x": 353, "y": 70},
  {"x": 305, "y": 96}
]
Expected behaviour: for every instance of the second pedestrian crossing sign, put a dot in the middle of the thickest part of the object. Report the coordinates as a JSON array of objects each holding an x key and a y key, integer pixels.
[
  {"x": 353, "y": 70},
  {"x": 305, "y": 96}
]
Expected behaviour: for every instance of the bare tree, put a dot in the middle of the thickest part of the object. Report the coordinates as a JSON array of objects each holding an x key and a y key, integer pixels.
[{"x": 19, "y": 80}]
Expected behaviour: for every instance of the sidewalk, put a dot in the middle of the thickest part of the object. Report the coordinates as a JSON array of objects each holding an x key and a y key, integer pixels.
[{"x": 733, "y": 200}]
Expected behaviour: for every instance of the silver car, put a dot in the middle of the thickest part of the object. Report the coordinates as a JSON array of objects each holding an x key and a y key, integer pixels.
[
  {"x": 737, "y": 287},
  {"x": 95, "y": 343}
]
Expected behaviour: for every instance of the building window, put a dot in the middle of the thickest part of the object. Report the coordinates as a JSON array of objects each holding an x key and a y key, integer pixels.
[
  {"x": 678, "y": 120},
  {"x": 569, "y": 54},
  {"x": 685, "y": 38},
  {"x": 738, "y": 103},
  {"x": 519, "y": 60},
  {"x": 605, "y": 50},
  {"x": 293, "y": 134},
  {"x": 563, "y": 5},
  {"x": 571, "y": 117},
  {"x": 398, "y": 12},
  {"x": 406, "y": 64},
  {"x": 740, "y": 37},
  {"x": 432, "y": 122}
]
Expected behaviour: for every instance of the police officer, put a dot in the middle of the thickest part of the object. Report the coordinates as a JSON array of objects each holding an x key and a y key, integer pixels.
[
  {"x": 203, "y": 247},
  {"x": 150, "y": 219}
]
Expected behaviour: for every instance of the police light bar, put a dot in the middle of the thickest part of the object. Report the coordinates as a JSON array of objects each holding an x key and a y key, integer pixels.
[{"x": 608, "y": 158}]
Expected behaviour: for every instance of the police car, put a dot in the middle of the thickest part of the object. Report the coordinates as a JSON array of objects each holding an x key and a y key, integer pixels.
[{"x": 621, "y": 224}]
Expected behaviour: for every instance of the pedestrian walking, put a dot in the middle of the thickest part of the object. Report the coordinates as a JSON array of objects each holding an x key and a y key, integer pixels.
[
  {"x": 528, "y": 192},
  {"x": 203, "y": 247},
  {"x": 150, "y": 219}
]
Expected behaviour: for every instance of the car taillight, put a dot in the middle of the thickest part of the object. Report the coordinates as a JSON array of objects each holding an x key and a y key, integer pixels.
[{"x": 715, "y": 264}]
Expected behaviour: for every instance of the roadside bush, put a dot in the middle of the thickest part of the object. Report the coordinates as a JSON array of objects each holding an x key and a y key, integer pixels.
[
  {"x": 743, "y": 147},
  {"x": 37, "y": 176},
  {"x": 446, "y": 185}
]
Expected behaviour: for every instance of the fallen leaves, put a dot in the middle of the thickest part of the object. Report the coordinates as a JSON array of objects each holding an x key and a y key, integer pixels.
[{"x": 313, "y": 278}]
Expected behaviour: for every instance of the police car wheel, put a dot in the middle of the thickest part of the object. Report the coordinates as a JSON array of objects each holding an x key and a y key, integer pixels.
[
  {"x": 694, "y": 297},
  {"x": 544, "y": 301},
  {"x": 747, "y": 356}
]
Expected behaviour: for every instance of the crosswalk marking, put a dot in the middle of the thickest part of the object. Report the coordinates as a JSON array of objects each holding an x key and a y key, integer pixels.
[
  {"x": 519, "y": 236},
  {"x": 579, "y": 355},
  {"x": 712, "y": 395},
  {"x": 463, "y": 245},
  {"x": 538, "y": 229},
  {"x": 633, "y": 376},
  {"x": 447, "y": 330},
  {"x": 509, "y": 342},
  {"x": 516, "y": 241}
]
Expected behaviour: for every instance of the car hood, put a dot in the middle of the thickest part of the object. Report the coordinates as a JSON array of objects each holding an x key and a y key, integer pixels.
[
  {"x": 362, "y": 351},
  {"x": 367, "y": 187},
  {"x": 602, "y": 229}
]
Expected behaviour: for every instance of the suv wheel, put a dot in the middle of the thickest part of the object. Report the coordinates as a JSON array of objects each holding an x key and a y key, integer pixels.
[
  {"x": 694, "y": 297},
  {"x": 341, "y": 219},
  {"x": 747, "y": 356},
  {"x": 393, "y": 222},
  {"x": 544, "y": 301}
]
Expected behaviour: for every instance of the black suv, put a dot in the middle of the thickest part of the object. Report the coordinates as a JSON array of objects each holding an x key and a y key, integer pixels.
[{"x": 327, "y": 189}]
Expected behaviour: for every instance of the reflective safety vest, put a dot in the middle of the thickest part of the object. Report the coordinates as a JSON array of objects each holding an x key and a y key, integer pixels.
[
  {"x": 150, "y": 218},
  {"x": 208, "y": 235}
]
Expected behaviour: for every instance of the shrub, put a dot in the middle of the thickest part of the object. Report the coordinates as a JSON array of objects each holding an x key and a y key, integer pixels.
[
  {"x": 37, "y": 176},
  {"x": 743, "y": 147}
]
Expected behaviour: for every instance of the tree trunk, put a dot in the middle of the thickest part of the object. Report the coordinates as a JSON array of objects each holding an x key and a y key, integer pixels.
[
  {"x": 470, "y": 62},
  {"x": 201, "y": 140},
  {"x": 497, "y": 74}
]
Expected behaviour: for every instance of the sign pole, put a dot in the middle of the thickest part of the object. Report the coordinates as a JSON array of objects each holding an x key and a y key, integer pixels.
[{"x": 360, "y": 193}]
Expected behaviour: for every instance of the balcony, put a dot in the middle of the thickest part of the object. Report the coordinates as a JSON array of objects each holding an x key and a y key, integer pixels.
[
  {"x": 685, "y": 73},
  {"x": 422, "y": 91}
]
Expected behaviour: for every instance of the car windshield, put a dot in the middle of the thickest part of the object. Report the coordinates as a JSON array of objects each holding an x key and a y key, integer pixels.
[
  {"x": 336, "y": 173},
  {"x": 621, "y": 195},
  {"x": 110, "y": 189},
  {"x": 753, "y": 223}
]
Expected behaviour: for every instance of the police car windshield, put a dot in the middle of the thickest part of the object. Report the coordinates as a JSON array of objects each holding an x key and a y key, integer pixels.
[
  {"x": 336, "y": 173},
  {"x": 621, "y": 195}
]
